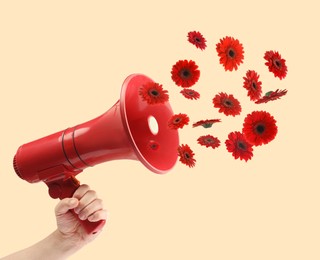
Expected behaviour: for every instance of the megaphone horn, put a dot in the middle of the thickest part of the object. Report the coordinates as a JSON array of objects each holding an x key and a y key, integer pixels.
[{"x": 130, "y": 129}]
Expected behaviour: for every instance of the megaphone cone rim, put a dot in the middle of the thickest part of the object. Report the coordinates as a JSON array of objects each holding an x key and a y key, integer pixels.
[{"x": 126, "y": 124}]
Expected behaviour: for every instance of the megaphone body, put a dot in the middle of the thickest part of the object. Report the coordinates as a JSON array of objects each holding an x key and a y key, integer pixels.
[{"x": 130, "y": 129}]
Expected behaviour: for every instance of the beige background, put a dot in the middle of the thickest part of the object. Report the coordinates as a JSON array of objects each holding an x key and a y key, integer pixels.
[{"x": 63, "y": 63}]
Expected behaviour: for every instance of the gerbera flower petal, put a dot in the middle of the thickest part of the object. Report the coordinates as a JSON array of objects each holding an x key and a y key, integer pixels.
[
  {"x": 178, "y": 121},
  {"x": 186, "y": 155},
  {"x": 276, "y": 64},
  {"x": 209, "y": 141},
  {"x": 252, "y": 85},
  {"x": 185, "y": 73},
  {"x": 206, "y": 123},
  {"x": 227, "y": 104},
  {"x": 238, "y": 146},
  {"x": 153, "y": 93},
  {"x": 272, "y": 95},
  {"x": 231, "y": 52},
  {"x": 197, "y": 39},
  {"x": 259, "y": 128},
  {"x": 190, "y": 94}
]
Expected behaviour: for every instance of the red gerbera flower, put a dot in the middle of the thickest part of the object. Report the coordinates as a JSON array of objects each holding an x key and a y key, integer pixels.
[
  {"x": 259, "y": 128},
  {"x": 276, "y": 64},
  {"x": 185, "y": 73},
  {"x": 190, "y": 94},
  {"x": 209, "y": 141},
  {"x": 178, "y": 121},
  {"x": 252, "y": 84},
  {"x": 153, "y": 93},
  {"x": 231, "y": 52},
  {"x": 206, "y": 123},
  {"x": 227, "y": 104},
  {"x": 238, "y": 146},
  {"x": 272, "y": 95},
  {"x": 197, "y": 39},
  {"x": 186, "y": 155}
]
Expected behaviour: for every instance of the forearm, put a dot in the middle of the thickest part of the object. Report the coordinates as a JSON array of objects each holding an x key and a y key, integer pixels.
[{"x": 53, "y": 247}]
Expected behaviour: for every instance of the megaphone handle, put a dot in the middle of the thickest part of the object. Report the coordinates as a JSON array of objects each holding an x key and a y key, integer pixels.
[{"x": 65, "y": 189}]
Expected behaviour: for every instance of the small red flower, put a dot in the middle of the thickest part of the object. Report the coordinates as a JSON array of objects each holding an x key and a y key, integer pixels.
[
  {"x": 231, "y": 52},
  {"x": 238, "y": 146},
  {"x": 227, "y": 104},
  {"x": 272, "y": 95},
  {"x": 190, "y": 94},
  {"x": 206, "y": 123},
  {"x": 153, "y": 93},
  {"x": 178, "y": 121},
  {"x": 276, "y": 64},
  {"x": 197, "y": 39},
  {"x": 209, "y": 141},
  {"x": 252, "y": 84},
  {"x": 185, "y": 73},
  {"x": 259, "y": 128},
  {"x": 186, "y": 155}
]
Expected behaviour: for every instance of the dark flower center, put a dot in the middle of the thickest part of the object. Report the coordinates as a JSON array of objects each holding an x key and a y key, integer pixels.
[
  {"x": 184, "y": 73},
  {"x": 190, "y": 93},
  {"x": 154, "y": 92},
  {"x": 231, "y": 53},
  {"x": 254, "y": 85},
  {"x": 277, "y": 63},
  {"x": 186, "y": 155},
  {"x": 197, "y": 39},
  {"x": 260, "y": 128},
  {"x": 177, "y": 120},
  {"x": 227, "y": 103},
  {"x": 242, "y": 146},
  {"x": 208, "y": 140}
]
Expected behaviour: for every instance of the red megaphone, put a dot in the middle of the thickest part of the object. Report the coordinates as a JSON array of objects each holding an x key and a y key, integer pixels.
[{"x": 131, "y": 129}]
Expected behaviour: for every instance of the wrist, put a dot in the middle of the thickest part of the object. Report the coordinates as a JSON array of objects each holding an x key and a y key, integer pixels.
[{"x": 66, "y": 245}]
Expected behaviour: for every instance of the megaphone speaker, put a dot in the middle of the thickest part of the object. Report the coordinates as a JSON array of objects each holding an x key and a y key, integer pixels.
[{"x": 130, "y": 129}]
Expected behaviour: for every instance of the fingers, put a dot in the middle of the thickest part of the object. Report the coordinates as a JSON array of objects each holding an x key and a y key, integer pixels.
[
  {"x": 98, "y": 215},
  {"x": 90, "y": 206},
  {"x": 82, "y": 189},
  {"x": 65, "y": 205},
  {"x": 85, "y": 197}
]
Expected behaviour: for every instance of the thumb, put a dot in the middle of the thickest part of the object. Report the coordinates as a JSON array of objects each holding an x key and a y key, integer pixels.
[{"x": 65, "y": 205}]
